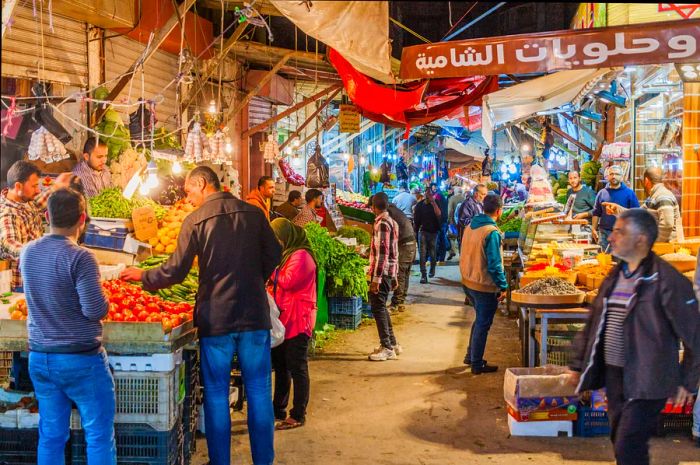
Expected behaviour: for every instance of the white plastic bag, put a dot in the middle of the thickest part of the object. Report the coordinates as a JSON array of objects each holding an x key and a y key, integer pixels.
[{"x": 277, "y": 331}]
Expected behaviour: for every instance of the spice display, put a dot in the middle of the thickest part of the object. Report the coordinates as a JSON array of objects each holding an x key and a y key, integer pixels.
[{"x": 550, "y": 286}]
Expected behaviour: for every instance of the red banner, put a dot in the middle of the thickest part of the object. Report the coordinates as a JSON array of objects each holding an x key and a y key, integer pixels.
[{"x": 639, "y": 44}]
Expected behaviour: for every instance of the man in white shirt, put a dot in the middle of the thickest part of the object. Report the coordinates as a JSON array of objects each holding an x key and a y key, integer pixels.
[{"x": 405, "y": 201}]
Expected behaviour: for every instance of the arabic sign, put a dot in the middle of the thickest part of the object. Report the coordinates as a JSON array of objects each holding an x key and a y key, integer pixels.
[
  {"x": 669, "y": 42},
  {"x": 349, "y": 119}
]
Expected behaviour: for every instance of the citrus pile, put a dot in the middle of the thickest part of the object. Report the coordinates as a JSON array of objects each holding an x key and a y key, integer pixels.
[{"x": 166, "y": 240}]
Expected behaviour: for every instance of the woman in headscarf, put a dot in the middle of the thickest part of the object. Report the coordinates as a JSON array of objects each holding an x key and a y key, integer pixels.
[{"x": 293, "y": 286}]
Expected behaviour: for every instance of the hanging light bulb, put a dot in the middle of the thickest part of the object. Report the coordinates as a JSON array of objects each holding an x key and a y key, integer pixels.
[
  {"x": 152, "y": 178},
  {"x": 296, "y": 143},
  {"x": 378, "y": 148},
  {"x": 362, "y": 159},
  {"x": 375, "y": 171},
  {"x": 177, "y": 167},
  {"x": 416, "y": 160},
  {"x": 287, "y": 150},
  {"x": 228, "y": 148},
  {"x": 212, "y": 107},
  {"x": 143, "y": 189},
  {"x": 346, "y": 157},
  {"x": 369, "y": 149}
]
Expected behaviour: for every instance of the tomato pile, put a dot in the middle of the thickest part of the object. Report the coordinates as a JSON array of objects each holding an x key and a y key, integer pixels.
[{"x": 130, "y": 303}]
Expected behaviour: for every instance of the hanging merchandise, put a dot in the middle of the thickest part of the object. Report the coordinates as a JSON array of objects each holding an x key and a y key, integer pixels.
[
  {"x": 401, "y": 170},
  {"x": 196, "y": 144},
  {"x": 487, "y": 164},
  {"x": 271, "y": 149},
  {"x": 317, "y": 175},
  {"x": 46, "y": 147},
  {"x": 385, "y": 167},
  {"x": 540, "y": 188},
  {"x": 141, "y": 124},
  {"x": 44, "y": 116},
  {"x": 290, "y": 175}
]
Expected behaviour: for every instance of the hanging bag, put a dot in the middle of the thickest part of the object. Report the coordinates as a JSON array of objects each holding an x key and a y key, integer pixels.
[
  {"x": 317, "y": 171},
  {"x": 277, "y": 331}
]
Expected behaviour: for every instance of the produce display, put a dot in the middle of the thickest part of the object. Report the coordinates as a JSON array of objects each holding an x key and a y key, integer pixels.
[
  {"x": 292, "y": 177},
  {"x": 166, "y": 240},
  {"x": 18, "y": 311},
  {"x": 118, "y": 137},
  {"x": 129, "y": 303},
  {"x": 682, "y": 260},
  {"x": 345, "y": 269},
  {"x": 589, "y": 173},
  {"x": 549, "y": 286},
  {"x": 110, "y": 203},
  {"x": 186, "y": 291},
  {"x": 125, "y": 166},
  {"x": 356, "y": 205},
  {"x": 362, "y": 236},
  {"x": 511, "y": 225}
]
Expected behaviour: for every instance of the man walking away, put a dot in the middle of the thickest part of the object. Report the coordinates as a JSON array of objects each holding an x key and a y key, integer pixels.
[
  {"x": 67, "y": 362},
  {"x": 471, "y": 207},
  {"x": 481, "y": 266},
  {"x": 407, "y": 254},
  {"x": 456, "y": 200},
  {"x": 263, "y": 195},
  {"x": 232, "y": 313},
  {"x": 290, "y": 208},
  {"x": 603, "y": 216},
  {"x": 383, "y": 270},
  {"x": 630, "y": 343},
  {"x": 314, "y": 201},
  {"x": 405, "y": 201},
  {"x": 426, "y": 221}
]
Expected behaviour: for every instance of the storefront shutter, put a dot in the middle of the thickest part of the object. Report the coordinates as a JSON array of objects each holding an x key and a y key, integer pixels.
[{"x": 259, "y": 111}]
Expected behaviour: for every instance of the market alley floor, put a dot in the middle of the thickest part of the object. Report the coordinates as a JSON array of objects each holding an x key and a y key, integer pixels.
[{"x": 426, "y": 408}]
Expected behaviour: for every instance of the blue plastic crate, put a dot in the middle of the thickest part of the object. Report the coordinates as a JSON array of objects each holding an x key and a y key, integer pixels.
[
  {"x": 19, "y": 446},
  {"x": 345, "y": 321},
  {"x": 591, "y": 423},
  {"x": 137, "y": 444},
  {"x": 367, "y": 310},
  {"x": 344, "y": 305},
  {"x": 112, "y": 239}
]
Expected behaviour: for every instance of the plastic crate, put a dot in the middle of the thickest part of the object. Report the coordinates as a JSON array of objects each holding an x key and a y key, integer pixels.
[
  {"x": 155, "y": 362},
  {"x": 674, "y": 424},
  {"x": 591, "y": 423},
  {"x": 150, "y": 398},
  {"x": 137, "y": 444},
  {"x": 345, "y": 321},
  {"x": 19, "y": 446},
  {"x": 367, "y": 310},
  {"x": 344, "y": 305},
  {"x": 5, "y": 366}
]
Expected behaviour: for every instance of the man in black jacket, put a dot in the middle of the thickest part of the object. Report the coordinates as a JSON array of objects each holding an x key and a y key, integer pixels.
[
  {"x": 630, "y": 343},
  {"x": 237, "y": 252},
  {"x": 426, "y": 221}
]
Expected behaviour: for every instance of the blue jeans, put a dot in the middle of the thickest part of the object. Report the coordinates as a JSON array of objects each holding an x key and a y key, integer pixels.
[
  {"x": 443, "y": 243},
  {"x": 253, "y": 350},
  {"x": 485, "y": 305},
  {"x": 696, "y": 417},
  {"x": 86, "y": 380},
  {"x": 603, "y": 235}
]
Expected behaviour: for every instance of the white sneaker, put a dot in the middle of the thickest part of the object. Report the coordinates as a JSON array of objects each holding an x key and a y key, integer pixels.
[
  {"x": 383, "y": 355},
  {"x": 398, "y": 349}
]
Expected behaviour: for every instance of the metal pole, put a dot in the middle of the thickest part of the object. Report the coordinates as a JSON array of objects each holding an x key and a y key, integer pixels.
[{"x": 472, "y": 22}]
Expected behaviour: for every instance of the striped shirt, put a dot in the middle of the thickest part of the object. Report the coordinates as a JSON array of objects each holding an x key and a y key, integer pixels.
[
  {"x": 93, "y": 181},
  {"x": 618, "y": 308},
  {"x": 384, "y": 251},
  {"x": 64, "y": 296}
]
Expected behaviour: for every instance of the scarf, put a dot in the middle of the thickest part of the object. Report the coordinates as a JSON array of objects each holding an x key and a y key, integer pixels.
[{"x": 292, "y": 237}]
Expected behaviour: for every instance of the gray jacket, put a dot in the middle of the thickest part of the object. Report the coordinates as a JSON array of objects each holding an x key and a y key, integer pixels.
[
  {"x": 664, "y": 204},
  {"x": 663, "y": 311}
]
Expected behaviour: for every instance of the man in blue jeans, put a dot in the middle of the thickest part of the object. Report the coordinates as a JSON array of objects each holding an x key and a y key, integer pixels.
[
  {"x": 481, "y": 266},
  {"x": 237, "y": 252},
  {"x": 67, "y": 362}
]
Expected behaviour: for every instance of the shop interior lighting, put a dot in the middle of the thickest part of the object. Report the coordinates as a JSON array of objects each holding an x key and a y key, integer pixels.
[
  {"x": 590, "y": 116},
  {"x": 212, "y": 107},
  {"x": 362, "y": 159},
  {"x": 525, "y": 147},
  {"x": 346, "y": 157},
  {"x": 177, "y": 167},
  {"x": 228, "y": 147},
  {"x": 689, "y": 72},
  {"x": 151, "y": 175},
  {"x": 369, "y": 149},
  {"x": 611, "y": 97},
  {"x": 661, "y": 87},
  {"x": 416, "y": 160},
  {"x": 378, "y": 148},
  {"x": 296, "y": 143},
  {"x": 288, "y": 150},
  {"x": 133, "y": 184}
]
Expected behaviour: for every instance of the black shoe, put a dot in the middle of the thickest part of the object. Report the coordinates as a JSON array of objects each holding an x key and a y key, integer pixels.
[
  {"x": 424, "y": 279},
  {"x": 484, "y": 369},
  {"x": 451, "y": 256},
  {"x": 432, "y": 274},
  {"x": 467, "y": 362}
]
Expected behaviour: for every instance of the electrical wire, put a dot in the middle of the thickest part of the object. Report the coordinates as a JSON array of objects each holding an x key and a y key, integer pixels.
[{"x": 460, "y": 20}]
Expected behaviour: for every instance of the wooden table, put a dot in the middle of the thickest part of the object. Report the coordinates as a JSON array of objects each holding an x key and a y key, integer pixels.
[{"x": 528, "y": 315}]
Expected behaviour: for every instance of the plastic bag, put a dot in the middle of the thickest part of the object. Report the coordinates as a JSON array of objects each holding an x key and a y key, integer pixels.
[
  {"x": 277, "y": 332},
  {"x": 317, "y": 171}
]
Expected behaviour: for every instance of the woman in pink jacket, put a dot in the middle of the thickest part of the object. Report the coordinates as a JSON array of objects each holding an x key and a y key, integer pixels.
[{"x": 293, "y": 285}]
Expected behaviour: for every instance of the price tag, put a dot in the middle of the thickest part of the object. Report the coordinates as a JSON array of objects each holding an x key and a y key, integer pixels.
[{"x": 145, "y": 223}]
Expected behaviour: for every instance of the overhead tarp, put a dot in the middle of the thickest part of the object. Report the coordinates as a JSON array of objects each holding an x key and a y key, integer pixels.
[
  {"x": 413, "y": 104},
  {"x": 524, "y": 100},
  {"x": 358, "y": 30},
  {"x": 474, "y": 148}
]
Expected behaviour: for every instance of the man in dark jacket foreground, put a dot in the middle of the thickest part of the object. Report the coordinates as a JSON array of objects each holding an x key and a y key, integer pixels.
[
  {"x": 630, "y": 344},
  {"x": 237, "y": 252}
]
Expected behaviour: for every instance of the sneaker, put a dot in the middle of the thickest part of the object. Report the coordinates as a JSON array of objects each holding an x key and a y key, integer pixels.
[
  {"x": 398, "y": 349},
  {"x": 450, "y": 257},
  {"x": 424, "y": 279},
  {"x": 383, "y": 355},
  {"x": 484, "y": 369},
  {"x": 432, "y": 274}
]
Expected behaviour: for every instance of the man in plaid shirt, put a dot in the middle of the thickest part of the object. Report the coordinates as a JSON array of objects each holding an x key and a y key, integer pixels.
[
  {"x": 383, "y": 273},
  {"x": 22, "y": 208}
]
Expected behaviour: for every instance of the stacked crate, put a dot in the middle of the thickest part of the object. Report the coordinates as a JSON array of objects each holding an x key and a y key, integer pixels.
[
  {"x": 191, "y": 403},
  {"x": 345, "y": 312},
  {"x": 150, "y": 391}
]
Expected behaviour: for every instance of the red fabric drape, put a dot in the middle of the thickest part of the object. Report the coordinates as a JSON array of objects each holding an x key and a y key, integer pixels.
[{"x": 416, "y": 103}]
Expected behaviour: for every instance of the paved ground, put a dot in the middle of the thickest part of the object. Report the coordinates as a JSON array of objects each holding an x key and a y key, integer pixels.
[{"x": 426, "y": 408}]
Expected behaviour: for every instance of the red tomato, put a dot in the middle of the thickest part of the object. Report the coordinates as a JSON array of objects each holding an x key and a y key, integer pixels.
[
  {"x": 118, "y": 317},
  {"x": 176, "y": 320},
  {"x": 131, "y": 319},
  {"x": 153, "y": 308},
  {"x": 167, "y": 325},
  {"x": 138, "y": 308},
  {"x": 156, "y": 317},
  {"x": 142, "y": 315},
  {"x": 117, "y": 297}
]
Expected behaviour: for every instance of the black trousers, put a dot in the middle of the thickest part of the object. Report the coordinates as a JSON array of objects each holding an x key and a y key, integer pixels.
[
  {"x": 407, "y": 254},
  {"x": 290, "y": 362},
  {"x": 428, "y": 248},
  {"x": 381, "y": 314},
  {"x": 632, "y": 422}
]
